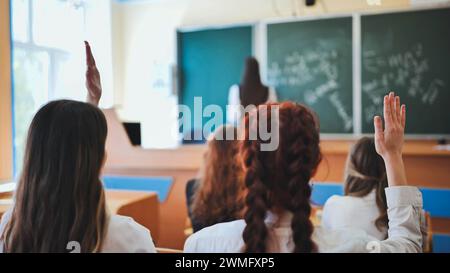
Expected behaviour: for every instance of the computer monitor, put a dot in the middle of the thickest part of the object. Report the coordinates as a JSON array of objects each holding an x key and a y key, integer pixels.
[{"x": 134, "y": 132}]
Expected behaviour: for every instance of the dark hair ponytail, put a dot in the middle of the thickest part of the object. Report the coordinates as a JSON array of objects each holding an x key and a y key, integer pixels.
[{"x": 280, "y": 179}]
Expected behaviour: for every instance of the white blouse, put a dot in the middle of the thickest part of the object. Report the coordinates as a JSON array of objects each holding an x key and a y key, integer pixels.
[
  {"x": 404, "y": 209},
  {"x": 124, "y": 235},
  {"x": 342, "y": 212},
  {"x": 234, "y": 113}
]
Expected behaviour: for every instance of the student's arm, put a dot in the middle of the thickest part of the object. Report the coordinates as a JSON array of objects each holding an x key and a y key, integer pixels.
[
  {"x": 404, "y": 203},
  {"x": 93, "y": 82},
  {"x": 389, "y": 142},
  {"x": 404, "y": 212}
]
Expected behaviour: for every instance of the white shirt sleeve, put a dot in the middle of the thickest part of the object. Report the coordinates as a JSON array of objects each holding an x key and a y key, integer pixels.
[
  {"x": 404, "y": 234},
  {"x": 234, "y": 106},
  {"x": 424, "y": 229},
  {"x": 126, "y": 236},
  {"x": 404, "y": 213}
]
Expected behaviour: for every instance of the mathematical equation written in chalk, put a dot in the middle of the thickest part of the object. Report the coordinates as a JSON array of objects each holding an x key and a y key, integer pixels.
[
  {"x": 408, "y": 72},
  {"x": 315, "y": 74}
]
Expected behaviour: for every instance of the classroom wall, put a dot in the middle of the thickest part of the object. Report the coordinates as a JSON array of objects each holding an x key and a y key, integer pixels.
[
  {"x": 144, "y": 36},
  {"x": 144, "y": 53},
  {"x": 6, "y": 167}
]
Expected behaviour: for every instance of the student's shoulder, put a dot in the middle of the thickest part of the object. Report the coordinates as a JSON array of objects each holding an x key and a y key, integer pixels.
[
  {"x": 335, "y": 199},
  {"x": 125, "y": 235},
  {"x": 345, "y": 206},
  {"x": 223, "y": 229},
  {"x": 120, "y": 223},
  {"x": 339, "y": 204},
  {"x": 223, "y": 237}
]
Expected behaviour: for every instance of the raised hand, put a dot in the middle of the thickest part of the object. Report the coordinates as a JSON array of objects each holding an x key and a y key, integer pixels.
[
  {"x": 93, "y": 81},
  {"x": 389, "y": 141}
]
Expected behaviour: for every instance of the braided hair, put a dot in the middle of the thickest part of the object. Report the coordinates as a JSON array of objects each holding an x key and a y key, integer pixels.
[{"x": 279, "y": 179}]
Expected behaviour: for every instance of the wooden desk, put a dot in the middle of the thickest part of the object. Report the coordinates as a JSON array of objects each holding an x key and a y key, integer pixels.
[{"x": 141, "y": 206}]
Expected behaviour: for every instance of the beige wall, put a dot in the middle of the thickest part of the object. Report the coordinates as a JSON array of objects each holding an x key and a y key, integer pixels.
[
  {"x": 5, "y": 94},
  {"x": 202, "y": 12}
]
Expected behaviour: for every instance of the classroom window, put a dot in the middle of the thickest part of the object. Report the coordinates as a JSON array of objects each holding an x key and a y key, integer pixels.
[{"x": 48, "y": 64}]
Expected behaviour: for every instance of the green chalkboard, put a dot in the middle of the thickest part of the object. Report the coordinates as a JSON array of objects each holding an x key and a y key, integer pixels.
[
  {"x": 409, "y": 53},
  {"x": 311, "y": 62},
  {"x": 210, "y": 62}
]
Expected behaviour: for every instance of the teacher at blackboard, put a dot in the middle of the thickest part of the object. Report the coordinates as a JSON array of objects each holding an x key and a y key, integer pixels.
[{"x": 251, "y": 91}]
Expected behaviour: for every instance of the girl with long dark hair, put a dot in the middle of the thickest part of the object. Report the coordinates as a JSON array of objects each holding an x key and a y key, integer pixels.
[{"x": 60, "y": 201}]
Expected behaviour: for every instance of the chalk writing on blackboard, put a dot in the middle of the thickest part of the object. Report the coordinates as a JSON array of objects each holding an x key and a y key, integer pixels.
[
  {"x": 315, "y": 73},
  {"x": 406, "y": 71}
]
